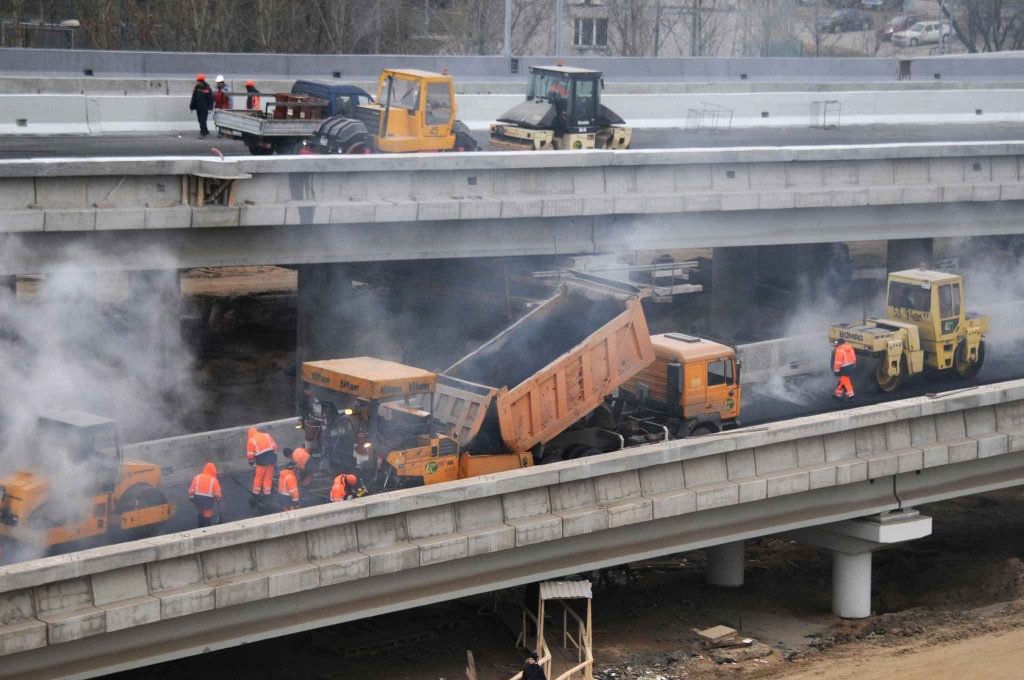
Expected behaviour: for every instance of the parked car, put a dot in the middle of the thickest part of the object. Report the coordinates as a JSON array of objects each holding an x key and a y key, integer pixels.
[
  {"x": 899, "y": 24},
  {"x": 923, "y": 33},
  {"x": 845, "y": 20}
]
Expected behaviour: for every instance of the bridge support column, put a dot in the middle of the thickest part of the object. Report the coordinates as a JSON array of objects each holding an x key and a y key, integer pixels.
[
  {"x": 851, "y": 584},
  {"x": 733, "y": 287},
  {"x": 754, "y": 287},
  {"x": 909, "y": 253},
  {"x": 155, "y": 297},
  {"x": 852, "y": 543},
  {"x": 725, "y": 565},
  {"x": 323, "y": 324}
]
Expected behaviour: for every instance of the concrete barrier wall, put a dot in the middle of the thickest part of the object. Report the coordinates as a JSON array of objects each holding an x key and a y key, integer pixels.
[
  {"x": 810, "y": 353},
  {"x": 83, "y": 114},
  {"x": 75, "y": 62},
  {"x": 336, "y": 549},
  {"x": 180, "y": 457}
]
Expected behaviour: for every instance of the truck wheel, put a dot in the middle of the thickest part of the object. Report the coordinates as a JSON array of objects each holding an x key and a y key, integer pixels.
[
  {"x": 136, "y": 498},
  {"x": 703, "y": 430},
  {"x": 286, "y": 147},
  {"x": 260, "y": 151},
  {"x": 464, "y": 140},
  {"x": 344, "y": 135},
  {"x": 883, "y": 381},
  {"x": 966, "y": 368}
]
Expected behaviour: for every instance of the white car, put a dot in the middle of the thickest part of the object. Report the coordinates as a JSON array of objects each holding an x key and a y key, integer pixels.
[{"x": 923, "y": 33}]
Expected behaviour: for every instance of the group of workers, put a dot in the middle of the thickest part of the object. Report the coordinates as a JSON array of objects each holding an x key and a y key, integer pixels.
[
  {"x": 294, "y": 483},
  {"x": 206, "y": 99}
]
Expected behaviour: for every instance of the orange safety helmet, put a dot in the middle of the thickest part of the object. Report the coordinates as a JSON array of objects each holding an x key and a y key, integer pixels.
[
  {"x": 250, "y": 83},
  {"x": 210, "y": 469},
  {"x": 300, "y": 457},
  {"x": 252, "y": 432},
  {"x": 201, "y": 77}
]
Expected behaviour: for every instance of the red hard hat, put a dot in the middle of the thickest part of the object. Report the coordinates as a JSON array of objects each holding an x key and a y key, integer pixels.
[
  {"x": 250, "y": 83},
  {"x": 351, "y": 480},
  {"x": 200, "y": 77}
]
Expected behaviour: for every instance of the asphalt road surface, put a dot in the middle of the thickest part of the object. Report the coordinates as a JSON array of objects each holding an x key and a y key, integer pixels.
[
  {"x": 762, "y": 403},
  {"x": 188, "y": 144}
]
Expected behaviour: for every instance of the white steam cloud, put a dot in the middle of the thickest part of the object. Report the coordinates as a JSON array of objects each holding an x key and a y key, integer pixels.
[{"x": 67, "y": 345}]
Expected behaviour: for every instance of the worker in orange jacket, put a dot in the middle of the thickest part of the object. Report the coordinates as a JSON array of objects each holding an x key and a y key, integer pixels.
[
  {"x": 300, "y": 459},
  {"x": 261, "y": 450},
  {"x": 252, "y": 97},
  {"x": 346, "y": 487},
  {"x": 204, "y": 493},
  {"x": 844, "y": 365},
  {"x": 287, "y": 490}
]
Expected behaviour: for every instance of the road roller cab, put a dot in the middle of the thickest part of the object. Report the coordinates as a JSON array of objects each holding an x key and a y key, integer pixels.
[
  {"x": 82, "y": 487},
  {"x": 928, "y": 328}
]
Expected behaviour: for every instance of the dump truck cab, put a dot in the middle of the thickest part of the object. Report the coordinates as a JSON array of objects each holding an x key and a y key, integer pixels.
[
  {"x": 927, "y": 328},
  {"x": 88, "y": 490},
  {"x": 562, "y": 110},
  {"x": 693, "y": 385}
]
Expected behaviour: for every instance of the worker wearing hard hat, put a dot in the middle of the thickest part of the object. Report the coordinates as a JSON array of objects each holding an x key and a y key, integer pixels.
[
  {"x": 252, "y": 99},
  {"x": 261, "y": 451},
  {"x": 300, "y": 459},
  {"x": 287, "y": 489},
  {"x": 204, "y": 492},
  {"x": 221, "y": 100},
  {"x": 345, "y": 488},
  {"x": 844, "y": 366},
  {"x": 202, "y": 102}
]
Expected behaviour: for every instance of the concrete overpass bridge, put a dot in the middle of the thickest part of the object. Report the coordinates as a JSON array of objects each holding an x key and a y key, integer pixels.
[
  {"x": 136, "y": 213},
  {"x": 824, "y": 478}
]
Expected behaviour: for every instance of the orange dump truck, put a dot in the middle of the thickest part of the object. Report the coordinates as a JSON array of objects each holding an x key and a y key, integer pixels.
[{"x": 581, "y": 374}]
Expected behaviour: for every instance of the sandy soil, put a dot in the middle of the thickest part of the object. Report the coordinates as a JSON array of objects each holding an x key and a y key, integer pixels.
[
  {"x": 996, "y": 656},
  {"x": 948, "y": 606}
]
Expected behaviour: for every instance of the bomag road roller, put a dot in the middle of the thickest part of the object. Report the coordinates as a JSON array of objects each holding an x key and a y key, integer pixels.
[
  {"x": 562, "y": 110},
  {"x": 927, "y": 329},
  {"x": 88, "y": 489}
]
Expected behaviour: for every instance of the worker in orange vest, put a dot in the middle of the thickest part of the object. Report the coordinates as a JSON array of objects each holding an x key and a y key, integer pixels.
[
  {"x": 204, "y": 493},
  {"x": 252, "y": 99},
  {"x": 287, "y": 490},
  {"x": 346, "y": 487},
  {"x": 844, "y": 365},
  {"x": 300, "y": 459},
  {"x": 261, "y": 450}
]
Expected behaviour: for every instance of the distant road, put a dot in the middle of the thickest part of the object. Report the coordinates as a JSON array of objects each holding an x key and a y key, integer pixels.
[{"x": 170, "y": 144}]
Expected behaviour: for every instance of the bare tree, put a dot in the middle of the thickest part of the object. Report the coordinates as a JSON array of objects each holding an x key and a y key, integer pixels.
[
  {"x": 632, "y": 27},
  {"x": 710, "y": 21},
  {"x": 765, "y": 23},
  {"x": 989, "y": 25}
]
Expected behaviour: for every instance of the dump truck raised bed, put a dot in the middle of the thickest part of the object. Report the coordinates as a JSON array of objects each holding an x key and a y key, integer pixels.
[
  {"x": 526, "y": 388},
  {"x": 581, "y": 375}
]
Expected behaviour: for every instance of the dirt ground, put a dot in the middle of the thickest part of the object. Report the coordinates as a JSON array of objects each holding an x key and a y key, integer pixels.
[{"x": 947, "y": 606}]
